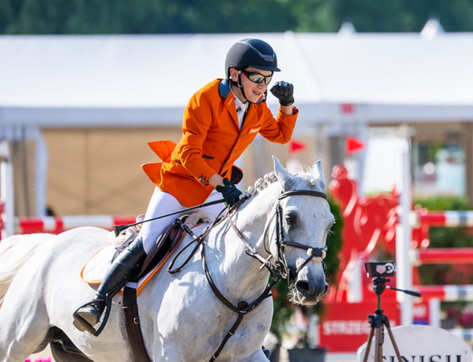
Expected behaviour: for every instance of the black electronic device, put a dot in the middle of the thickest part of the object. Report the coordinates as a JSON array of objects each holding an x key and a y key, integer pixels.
[{"x": 380, "y": 268}]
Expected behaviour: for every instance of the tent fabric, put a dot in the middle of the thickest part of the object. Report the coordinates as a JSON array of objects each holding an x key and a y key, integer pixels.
[{"x": 142, "y": 80}]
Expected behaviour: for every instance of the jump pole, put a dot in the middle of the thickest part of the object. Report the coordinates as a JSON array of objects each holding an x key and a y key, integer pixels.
[
  {"x": 50, "y": 224},
  {"x": 442, "y": 256},
  {"x": 403, "y": 239},
  {"x": 444, "y": 218}
]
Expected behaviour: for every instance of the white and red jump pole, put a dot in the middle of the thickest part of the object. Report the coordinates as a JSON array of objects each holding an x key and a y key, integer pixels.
[
  {"x": 406, "y": 258},
  {"x": 442, "y": 256},
  {"x": 49, "y": 224}
]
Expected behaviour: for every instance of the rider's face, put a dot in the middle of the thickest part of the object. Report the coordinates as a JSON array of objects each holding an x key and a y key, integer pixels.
[{"x": 253, "y": 91}]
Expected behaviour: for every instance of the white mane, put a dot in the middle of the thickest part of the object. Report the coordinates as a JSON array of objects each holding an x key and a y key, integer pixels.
[{"x": 270, "y": 178}]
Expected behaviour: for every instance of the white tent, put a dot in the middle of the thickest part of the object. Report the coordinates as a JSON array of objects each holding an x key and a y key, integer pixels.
[
  {"x": 61, "y": 81},
  {"x": 70, "y": 81},
  {"x": 343, "y": 81}
]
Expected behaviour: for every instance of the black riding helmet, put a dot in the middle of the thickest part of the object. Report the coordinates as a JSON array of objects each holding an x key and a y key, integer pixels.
[{"x": 253, "y": 53}]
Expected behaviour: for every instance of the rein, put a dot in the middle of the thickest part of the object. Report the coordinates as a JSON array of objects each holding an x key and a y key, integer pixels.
[{"x": 277, "y": 269}]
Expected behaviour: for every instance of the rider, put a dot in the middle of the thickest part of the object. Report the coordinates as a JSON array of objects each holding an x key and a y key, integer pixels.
[{"x": 220, "y": 121}]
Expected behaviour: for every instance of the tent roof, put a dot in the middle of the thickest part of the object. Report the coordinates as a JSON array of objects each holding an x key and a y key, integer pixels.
[{"x": 134, "y": 80}]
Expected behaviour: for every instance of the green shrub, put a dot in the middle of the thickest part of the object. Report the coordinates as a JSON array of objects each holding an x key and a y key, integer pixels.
[{"x": 446, "y": 237}]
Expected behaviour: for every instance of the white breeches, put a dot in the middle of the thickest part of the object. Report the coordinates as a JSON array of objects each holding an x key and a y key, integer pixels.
[{"x": 163, "y": 203}]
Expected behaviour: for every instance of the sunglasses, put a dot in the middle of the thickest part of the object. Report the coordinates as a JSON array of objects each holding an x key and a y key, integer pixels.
[{"x": 258, "y": 78}]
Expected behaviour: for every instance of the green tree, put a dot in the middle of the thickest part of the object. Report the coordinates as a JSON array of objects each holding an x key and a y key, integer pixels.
[
  {"x": 404, "y": 15},
  {"x": 225, "y": 16},
  {"x": 159, "y": 16}
]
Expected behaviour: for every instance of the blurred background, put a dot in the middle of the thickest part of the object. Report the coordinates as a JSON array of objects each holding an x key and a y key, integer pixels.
[{"x": 85, "y": 84}]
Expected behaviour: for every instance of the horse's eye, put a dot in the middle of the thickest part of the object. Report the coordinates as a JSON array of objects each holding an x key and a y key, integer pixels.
[{"x": 291, "y": 217}]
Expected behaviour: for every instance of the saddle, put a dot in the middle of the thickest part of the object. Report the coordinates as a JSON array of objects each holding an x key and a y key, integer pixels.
[{"x": 164, "y": 246}]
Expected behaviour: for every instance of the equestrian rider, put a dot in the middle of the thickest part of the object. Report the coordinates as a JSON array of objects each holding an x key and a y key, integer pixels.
[{"x": 220, "y": 121}]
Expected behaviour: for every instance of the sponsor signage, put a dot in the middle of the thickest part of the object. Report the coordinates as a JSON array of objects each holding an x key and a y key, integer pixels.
[
  {"x": 344, "y": 327},
  {"x": 419, "y": 343}
]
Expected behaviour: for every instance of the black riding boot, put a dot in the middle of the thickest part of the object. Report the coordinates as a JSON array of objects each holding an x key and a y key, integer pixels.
[{"x": 118, "y": 275}]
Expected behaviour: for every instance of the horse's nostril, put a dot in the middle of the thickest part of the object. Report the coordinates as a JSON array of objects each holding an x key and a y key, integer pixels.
[{"x": 303, "y": 287}]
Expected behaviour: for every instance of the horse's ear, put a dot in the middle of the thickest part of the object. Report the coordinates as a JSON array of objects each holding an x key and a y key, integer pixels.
[
  {"x": 284, "y": 177},
  {"x": 318, "y": 172}
]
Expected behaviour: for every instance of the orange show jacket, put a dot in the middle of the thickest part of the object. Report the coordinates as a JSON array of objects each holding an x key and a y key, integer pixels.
[{"x": 211, "y": 142}]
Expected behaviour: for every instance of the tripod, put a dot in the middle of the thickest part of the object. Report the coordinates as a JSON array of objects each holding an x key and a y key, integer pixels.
[{"x": 380, "y": 320}]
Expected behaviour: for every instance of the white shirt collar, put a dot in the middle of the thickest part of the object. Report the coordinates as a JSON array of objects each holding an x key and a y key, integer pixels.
[{"x": 241, "y": 109}]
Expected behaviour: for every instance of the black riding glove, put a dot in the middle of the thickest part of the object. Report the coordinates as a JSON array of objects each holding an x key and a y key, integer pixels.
[
  {"x": 283, "y": 91},
  {"x": 229, "y": 192}
]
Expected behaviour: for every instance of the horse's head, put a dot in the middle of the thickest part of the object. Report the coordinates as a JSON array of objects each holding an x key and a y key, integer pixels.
[{"x": 303, "y": 220}]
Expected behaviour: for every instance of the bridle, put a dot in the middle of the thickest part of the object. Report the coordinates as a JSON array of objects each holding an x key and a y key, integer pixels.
[
  {"x": 278, "y": 269},
  {"x": 313, "y": 254}
]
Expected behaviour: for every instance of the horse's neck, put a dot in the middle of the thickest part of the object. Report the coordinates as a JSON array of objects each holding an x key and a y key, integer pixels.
[{"x": 235, "y": 264}]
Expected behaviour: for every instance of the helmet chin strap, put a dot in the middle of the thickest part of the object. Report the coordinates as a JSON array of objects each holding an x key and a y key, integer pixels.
[{"x": 243, "y": 91}]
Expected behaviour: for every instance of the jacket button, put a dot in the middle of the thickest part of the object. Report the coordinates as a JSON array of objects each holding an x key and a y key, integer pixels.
[
  {"x": 239, "y": 136},
  {"x": 226, "y": 165}
]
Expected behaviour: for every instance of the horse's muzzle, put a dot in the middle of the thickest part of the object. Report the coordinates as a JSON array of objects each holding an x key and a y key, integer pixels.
[{"x": 309, "y": 293}]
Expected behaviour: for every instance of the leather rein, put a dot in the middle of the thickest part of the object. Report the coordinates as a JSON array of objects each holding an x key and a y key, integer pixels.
[{"x": 278, "y": 269}]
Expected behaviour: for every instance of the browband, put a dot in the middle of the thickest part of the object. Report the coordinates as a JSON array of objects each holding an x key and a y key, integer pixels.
[{"x": 303, "y": 192}]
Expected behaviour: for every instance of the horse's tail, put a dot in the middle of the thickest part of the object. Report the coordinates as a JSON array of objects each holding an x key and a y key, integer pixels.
[{"x": 14, "y": 253}]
